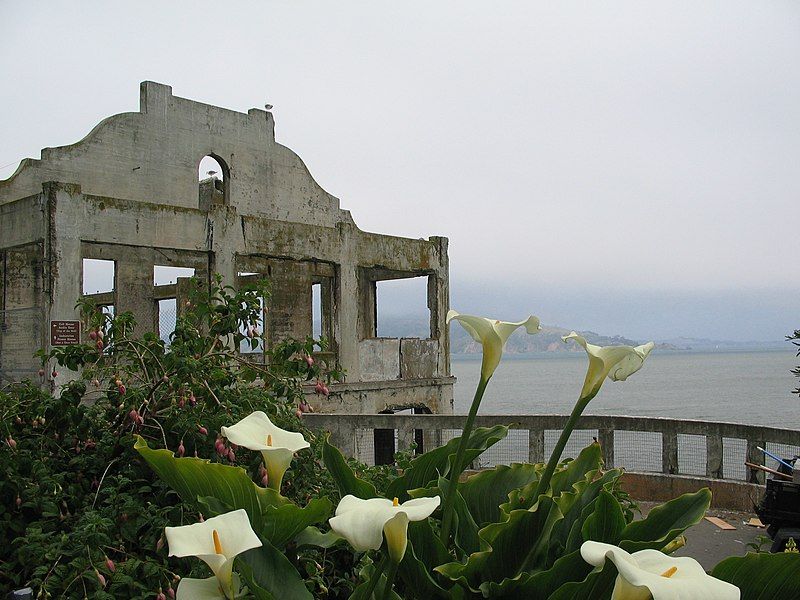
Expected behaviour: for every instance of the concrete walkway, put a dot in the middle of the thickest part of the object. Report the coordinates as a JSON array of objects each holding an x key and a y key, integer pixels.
[{"x": 708, "y": 544}]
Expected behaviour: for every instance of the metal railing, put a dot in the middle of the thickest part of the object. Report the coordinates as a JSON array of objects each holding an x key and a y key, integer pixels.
[{"x": 642, "y": 444}]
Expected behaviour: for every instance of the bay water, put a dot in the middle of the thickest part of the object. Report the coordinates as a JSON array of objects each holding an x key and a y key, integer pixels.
[{"x": 753, "y": 388}]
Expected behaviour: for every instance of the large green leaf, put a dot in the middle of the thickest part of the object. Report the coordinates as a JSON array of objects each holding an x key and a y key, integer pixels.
[
  {"x": 283, "y": 523},
  {"x": 566, "y": 476},
  {"x": 539, "y": 585},
  {"x": 762, "y": 576},
  {"x": 484, "y": 492},
  {"x": 666, "y": 522},
  {"x": 567, "y": 535},
  {"x": 311, "y": 536},
  {"x": 598, "y": 585},
  {"x": 417, "y": 577},
  {"x": 511, "y": 548},
  {"x": 270, "y": 575},
  {"x": 195, "y": 478},
  {"x": 606, "y": 522},
  {"x": 428, "y": 467},
  {"x": 343, "y": 475}
]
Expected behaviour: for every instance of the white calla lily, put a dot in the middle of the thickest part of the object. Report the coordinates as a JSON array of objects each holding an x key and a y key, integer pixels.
[
  {"x": 277, "y": 446},
  {"x": 217, "y": 542},
  {"x": 615, "y": 362},
  {"x": 364, "y": 523},
  {"x": 652, "y": 574},
  {"x": 492, "y": 335}
]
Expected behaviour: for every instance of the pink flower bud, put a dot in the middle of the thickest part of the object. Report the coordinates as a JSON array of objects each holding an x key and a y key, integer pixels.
[
  {"x": 19, "y": 501},
  {"x": 41, "y": 372},
  {"x": 265, "y": 480},
  {"x": 12, "y": 443},
  {"x": 298, "y": 413},
  {"x": 110, "y": 564},
  {"x": 170, "y": 592},
  {"x": 96, "y": 382},
  {"x": 309, "y": 360},
  {"x": 181, "y": 402},
  {"x": 160, "y": 544},
  {"x": 121, "y": 389},
  {"x": 99, "y": 345},
  {"x": 165, "y": 379},
  {"x": 161, "y": 595},
  {"x": 100, "y": 578},
  {"x": 231, "y": 455},
  {"x": 202, "y": 430},
  {"x": 100, "y": 334},
  {"x": 181, "y": 449},
  {"x": 93, "y": 335},
  {"x": 192, "y": 400},
  {"x": 201, "y": 518},
  {"x": 54, "y": 373},
  {"x": 118, "y": 382}
]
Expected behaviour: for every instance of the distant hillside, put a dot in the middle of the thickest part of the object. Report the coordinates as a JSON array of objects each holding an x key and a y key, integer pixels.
[{"x": 549, "y": 339}]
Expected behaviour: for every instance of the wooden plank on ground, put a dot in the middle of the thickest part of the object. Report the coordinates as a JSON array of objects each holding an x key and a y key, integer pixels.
[{"x": 720, "y": 523}]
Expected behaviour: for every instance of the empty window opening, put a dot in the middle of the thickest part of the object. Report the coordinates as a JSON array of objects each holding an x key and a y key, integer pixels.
[
  {"x": 316, "y": 310},
  {"x": 212, "y": 175},
  {"x": 98, "y": 276},
  {"x": 253, "y": 333},
  {"x": 166, "y": 275},
  {"x": 402, "y": 308},
  {"x": 167, "y": 318}
]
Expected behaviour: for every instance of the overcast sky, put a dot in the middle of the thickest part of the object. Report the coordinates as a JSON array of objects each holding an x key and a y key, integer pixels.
[{"x": 628, "y": 167}]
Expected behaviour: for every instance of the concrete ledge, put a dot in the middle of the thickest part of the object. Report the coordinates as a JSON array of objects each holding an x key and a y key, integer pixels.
[{"x": 726, "y": 494}]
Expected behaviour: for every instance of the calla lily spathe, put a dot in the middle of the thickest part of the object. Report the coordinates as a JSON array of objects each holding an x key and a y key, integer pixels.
[
  {"x": 492, "y": 335},
  {"x": 277, "y": 446},
  {"x": 217, "y": 542},
  {"x": 615, "y": 362},
  {"x": 652, "y": 574},
  {"x": 364, "y": 523}
]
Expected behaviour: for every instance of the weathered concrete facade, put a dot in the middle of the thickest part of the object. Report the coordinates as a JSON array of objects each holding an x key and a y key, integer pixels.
[{"x": 129, "y": 193}]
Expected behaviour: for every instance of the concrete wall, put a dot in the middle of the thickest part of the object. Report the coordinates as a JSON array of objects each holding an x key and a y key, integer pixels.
[{"x": 129, "y": 192}]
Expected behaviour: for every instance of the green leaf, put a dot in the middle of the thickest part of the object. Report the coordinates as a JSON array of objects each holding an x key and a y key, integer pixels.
[
  {"x": 762, "y": 576},
  {"x": 268, "y": 568},
  {"x": 598, "y": 585},
  {"x": 484, "y": 492},
  {"x": 417, "y": 576},
  {"x": 511, "y": 548},
  {"x": 283, "y": 523},
  {"x": 195, "y": 478},
  {"x": 428, "y": 467},
  {"x": 607, "y": 521},
  {"x": 311, "y": 536},
  {"x": 343, "y": 475},
  {"x": 666, "y": 522}
]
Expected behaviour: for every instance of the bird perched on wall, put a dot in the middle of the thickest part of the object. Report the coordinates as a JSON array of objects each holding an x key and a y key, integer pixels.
[
  {"x": 268, "y": 107},
  {"x": 211, "y": 173}
]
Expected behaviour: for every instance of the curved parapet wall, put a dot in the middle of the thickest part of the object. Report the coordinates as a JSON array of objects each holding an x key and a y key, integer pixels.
[{"x": 152, "y": 156}]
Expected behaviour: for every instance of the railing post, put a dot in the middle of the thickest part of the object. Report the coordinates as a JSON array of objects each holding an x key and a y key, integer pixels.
[
  {"x": 755, "y": 456},
  {"x": 606, "y": 438},
  {"x": 714, "y": 456},
  {"x": 669, "y": 451},
  {"x": 536, "y": 445}
]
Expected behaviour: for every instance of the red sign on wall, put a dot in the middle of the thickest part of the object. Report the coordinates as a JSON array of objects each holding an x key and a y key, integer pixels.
[{"x": 64, "y": 333}]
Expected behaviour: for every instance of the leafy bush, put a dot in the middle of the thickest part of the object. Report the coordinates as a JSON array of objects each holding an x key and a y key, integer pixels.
[{"x": 81, "y": 514}]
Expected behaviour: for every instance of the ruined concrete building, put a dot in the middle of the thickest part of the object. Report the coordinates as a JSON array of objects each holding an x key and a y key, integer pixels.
[{"x": 128, "y": 194}]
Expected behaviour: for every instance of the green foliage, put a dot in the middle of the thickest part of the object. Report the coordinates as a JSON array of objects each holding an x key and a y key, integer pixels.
[
  {"x": 761, "y": 576},
  {"x": 72, "y": 489}
]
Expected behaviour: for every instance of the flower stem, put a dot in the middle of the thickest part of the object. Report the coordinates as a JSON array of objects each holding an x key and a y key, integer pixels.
[
  {"x": 544, "y": 482},
  {"x": 387, "y": 591},
  {"x": 457, "y": 468}
]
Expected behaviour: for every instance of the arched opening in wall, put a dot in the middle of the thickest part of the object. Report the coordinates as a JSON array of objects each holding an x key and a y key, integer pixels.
[{"x": 213, "y": 176}]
